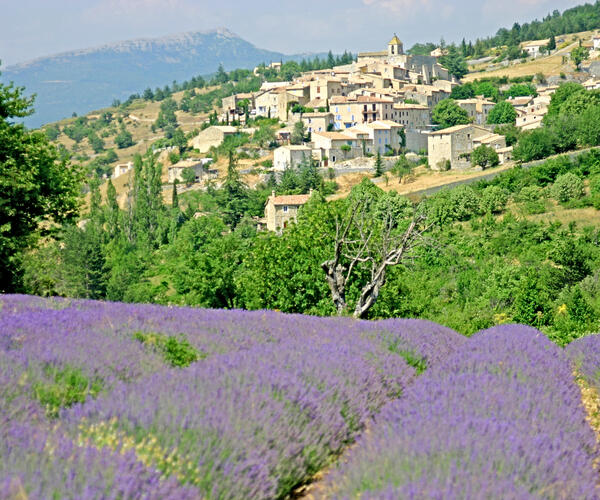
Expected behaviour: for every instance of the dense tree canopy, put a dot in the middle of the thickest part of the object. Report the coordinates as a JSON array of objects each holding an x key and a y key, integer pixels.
[
  {"x": 448, "y": 114},
  {"x": 503, "y": 112},
  {"x": 37, "y": 186}
]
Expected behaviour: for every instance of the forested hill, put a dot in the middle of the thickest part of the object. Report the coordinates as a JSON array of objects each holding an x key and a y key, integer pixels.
[
  {"x": 575, "y": 20},
  {"x": 84, "y": 80},
  {"x": 581, "y": 18}
]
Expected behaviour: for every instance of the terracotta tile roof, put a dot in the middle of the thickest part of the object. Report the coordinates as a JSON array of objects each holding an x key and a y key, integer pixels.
[
  {"x": 337, "y": 136},
  {"x": 450, "y": 130},
  {"x": 410, "y": 106},
  {"x": 361, "y": 99},
  {"x": 290, "y": 199}
]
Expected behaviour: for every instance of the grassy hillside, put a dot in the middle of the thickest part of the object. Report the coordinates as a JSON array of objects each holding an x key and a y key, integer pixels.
[{"x": 555, "y": 64}]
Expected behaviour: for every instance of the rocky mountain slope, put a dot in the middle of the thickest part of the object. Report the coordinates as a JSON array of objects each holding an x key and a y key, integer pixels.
[{"x": 84, "y": 80}]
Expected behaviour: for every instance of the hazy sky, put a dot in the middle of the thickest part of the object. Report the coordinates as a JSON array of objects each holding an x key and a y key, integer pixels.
[{"x": 33, "y": 28}]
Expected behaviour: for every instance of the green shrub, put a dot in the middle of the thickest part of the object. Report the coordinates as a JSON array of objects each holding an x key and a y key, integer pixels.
[
  {"x": 484, "y": 157},
  {"x": 176, "y": 351},
  {"x": 493, "y": 199},
  {"x": 567, "y": 187},
  {"x": 595, "y": 185},
  {"x": 63, "y": 388},
  {"x": 529, "y": 193},
  {"x": 460, "y": 203}
]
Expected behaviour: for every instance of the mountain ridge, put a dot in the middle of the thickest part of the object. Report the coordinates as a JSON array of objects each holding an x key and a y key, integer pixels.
[{"x": 86, "y": 79}]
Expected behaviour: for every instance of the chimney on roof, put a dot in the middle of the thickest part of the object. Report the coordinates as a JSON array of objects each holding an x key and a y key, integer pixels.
[
  {"x": 310, "y": 191},
  {"x": 273, "y": 194}
]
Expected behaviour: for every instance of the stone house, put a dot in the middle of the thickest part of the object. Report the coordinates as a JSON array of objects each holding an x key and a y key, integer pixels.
[
  {"x": 426, "y": 95},
  {"x": 325, "y": 88},
  {"x": 200, "y": 167},
  {"x": 337, "y": 146},
  {"x": 290, "y": 156},
  {"x": 478, "y": 109},
  {"x": 266, "y": 103},
  {"x": 596, "y": 42},
  {"x": 455, "y": 144},
  {"x": 281, "y": 210},
  {"x": 591, "y": 84},
  {"x": 231, "y": 105},
  {"x": 384, "y": 136},
  {"x": 212, "y": 136},
  {"x": 317, "y": 122},
  {"x": 122, "y": 168},
  {"x": 412, "y": 116},
  {"x": 351, "y": 111},
  {"x": 534, "y": 47}
]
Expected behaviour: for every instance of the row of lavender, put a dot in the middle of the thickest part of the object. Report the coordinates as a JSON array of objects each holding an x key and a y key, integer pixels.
[
  {"x": 273, "y": 398},
  {"x": 502, "y": 418}
]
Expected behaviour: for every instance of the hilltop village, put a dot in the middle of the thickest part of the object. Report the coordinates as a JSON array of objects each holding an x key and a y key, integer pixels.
[{"x": 365, "y": 115}]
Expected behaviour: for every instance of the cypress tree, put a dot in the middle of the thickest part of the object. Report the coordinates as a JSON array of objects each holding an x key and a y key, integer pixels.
[{"x": 378, "y": 165}]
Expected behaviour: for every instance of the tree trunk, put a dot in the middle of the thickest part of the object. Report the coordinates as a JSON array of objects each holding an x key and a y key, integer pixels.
[
  {"x": 369, "y": 294},
  {"x": 335, "y": 280}
]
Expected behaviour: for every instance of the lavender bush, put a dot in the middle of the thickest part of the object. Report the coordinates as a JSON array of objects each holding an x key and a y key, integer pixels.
[
  {"x": 38, "y": 464},
  {"x": 267, "y": 400},
  {"x": 501, "y": 418},
  {"x": 585, "y": 353}
]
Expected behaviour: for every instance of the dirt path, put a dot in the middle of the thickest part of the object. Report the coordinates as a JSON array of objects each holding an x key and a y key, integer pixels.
[
  {"x": 318, "y": 488},
  {"x": 591, "y": 403}
]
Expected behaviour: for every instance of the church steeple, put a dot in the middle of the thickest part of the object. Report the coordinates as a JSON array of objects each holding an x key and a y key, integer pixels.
[{"x": 395, "y": 47}]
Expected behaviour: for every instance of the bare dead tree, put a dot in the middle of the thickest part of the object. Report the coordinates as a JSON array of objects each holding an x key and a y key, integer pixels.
[{"x": 375, "y": 244}]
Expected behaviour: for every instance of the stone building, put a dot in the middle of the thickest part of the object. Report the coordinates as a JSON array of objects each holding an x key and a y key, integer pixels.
[
  {"x": 455, "y": 145},
  {"x": 281, "y": 210},
  {"x": 477, "y": 109},
  {"x": 212, "y": 136},
  {"x": 318, "y": 122},
  {"x": 290, "y": 156},
  {"x": 200, "y": 167}
]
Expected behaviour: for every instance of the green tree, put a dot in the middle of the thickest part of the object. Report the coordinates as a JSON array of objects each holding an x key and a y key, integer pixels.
[
  {"x": 484, "y": 157},
  {"x": 52, "y": 132},
  {"x": 38, "y": 187},
  {"x": 578, "y": 55},
  {"x": 503, "y": 112},
  {"x": 551, "y": 44},
  {"x": 561, "y": 95},
  {"x": 166, "y": 115},
  {"x": 455, "y": 63},
  {"x": 96, "y": 142},
  {"x": 378, "y": 165},
  {"x": 124, "y": 139},
  {"x": 493, "y": 199},
  {"x": 298, "y": 133},
  {"x": 535, "y": 145},
  {"x": 531, "y": 302},
  {"x": 188, "y": 175},
  {"x": 521, "y": 90},
  {"x": 234, "y": 196},
  {"x": 510, "y": 132},
  {"x": 265, "y": 135},
  {"x": 448, "y": 114},
  {"x": 567, "y": 187}
]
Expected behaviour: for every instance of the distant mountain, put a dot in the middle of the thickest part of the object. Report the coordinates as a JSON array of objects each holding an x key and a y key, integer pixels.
[{"x": 89, "y": 79}]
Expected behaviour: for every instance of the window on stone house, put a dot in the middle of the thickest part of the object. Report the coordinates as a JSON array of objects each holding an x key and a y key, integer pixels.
[{"x": 285, "y": 208}]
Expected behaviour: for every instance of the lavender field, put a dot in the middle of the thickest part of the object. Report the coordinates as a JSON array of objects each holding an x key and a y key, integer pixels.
[{"x": 107, "y": 400}]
